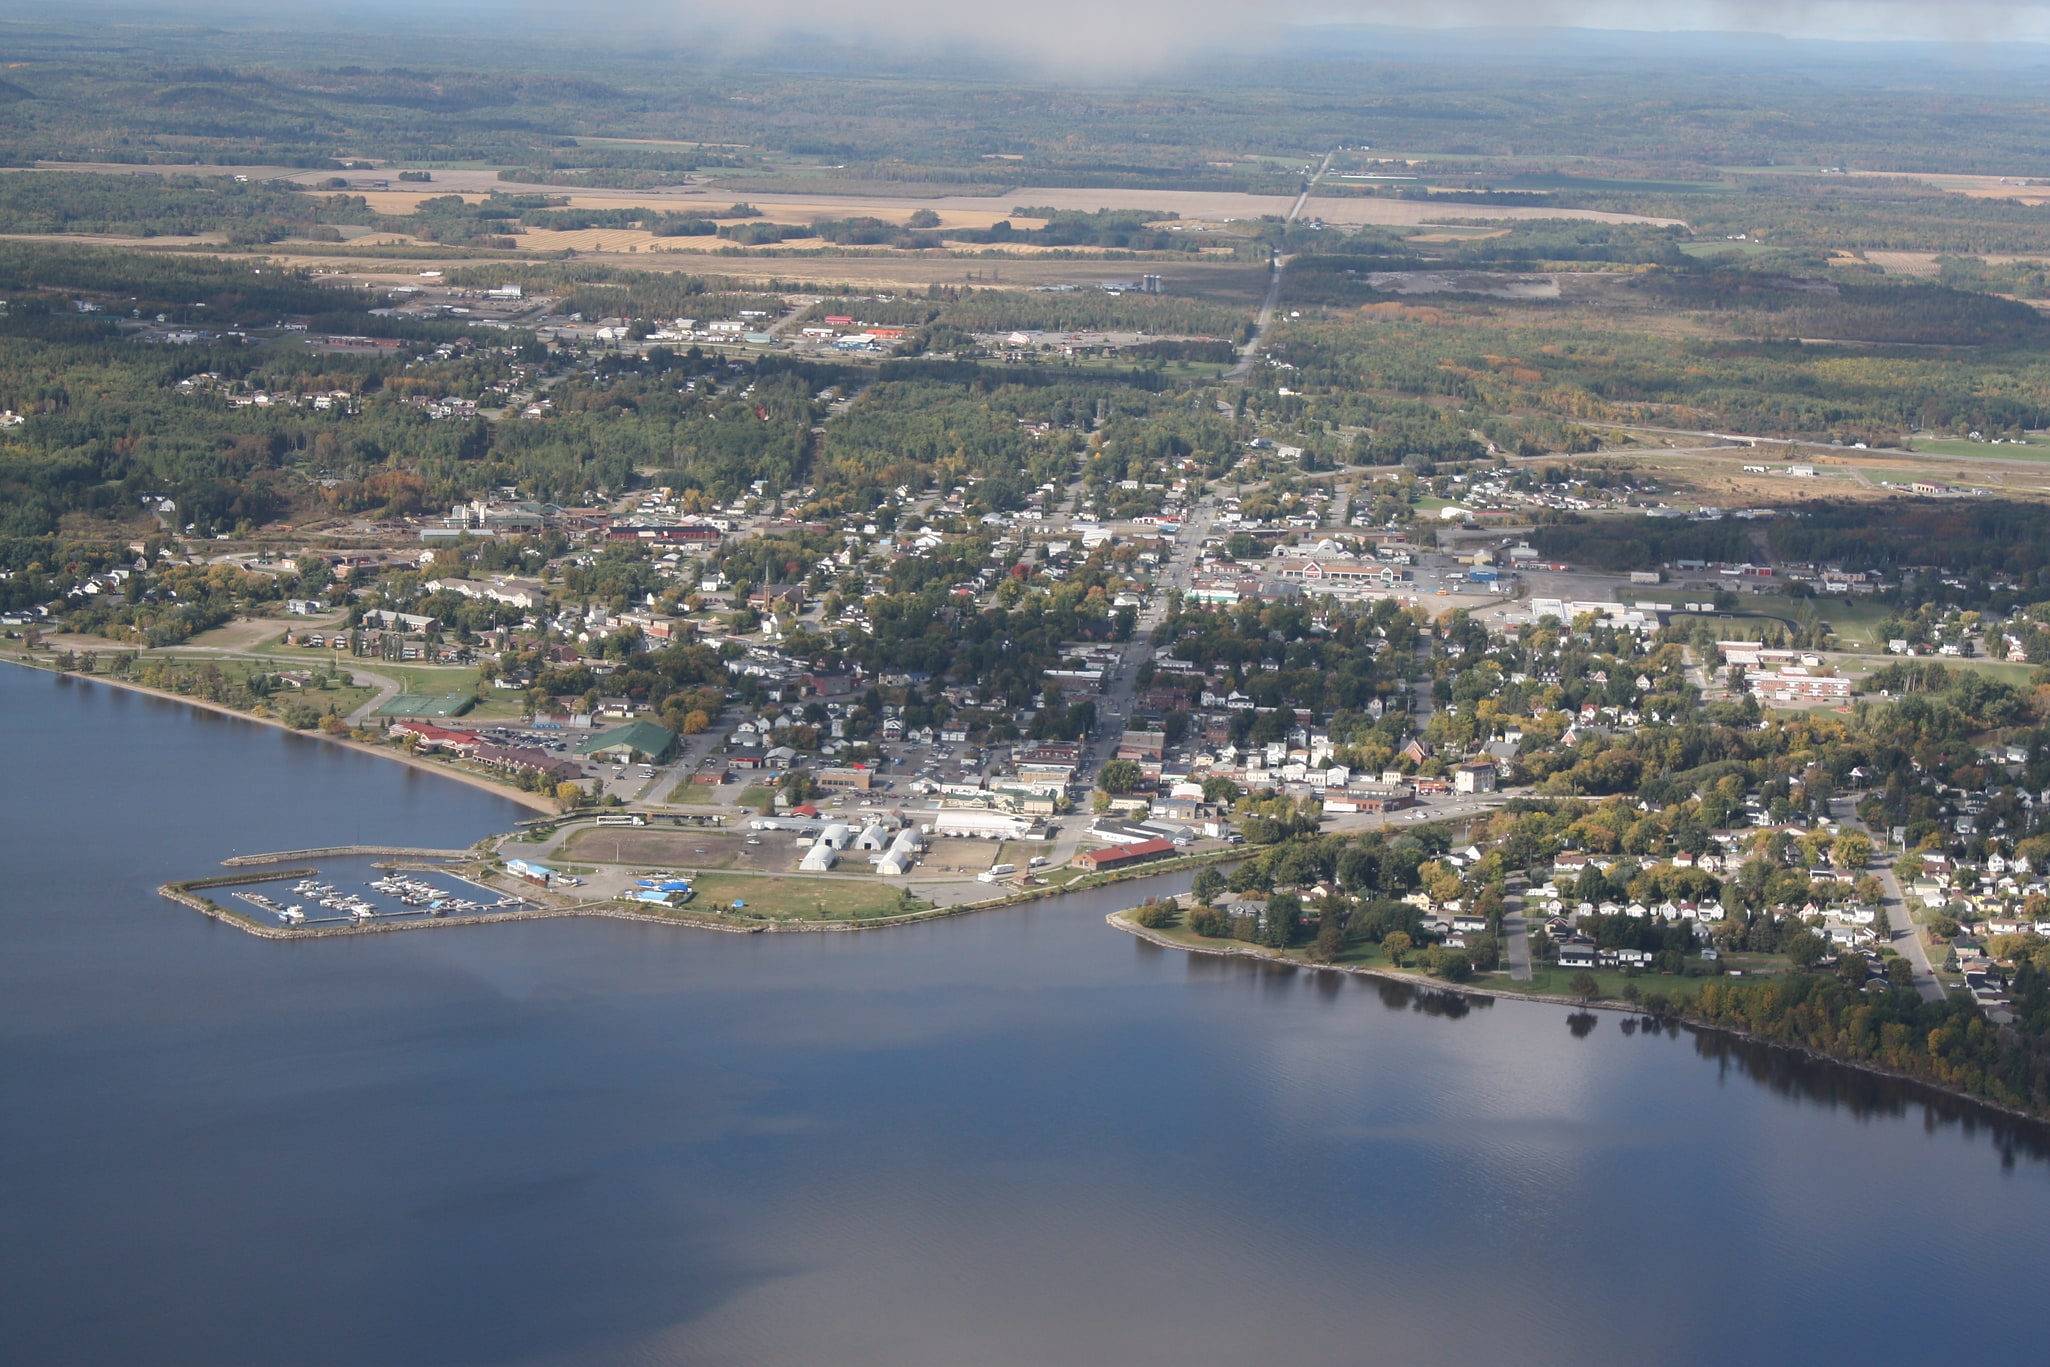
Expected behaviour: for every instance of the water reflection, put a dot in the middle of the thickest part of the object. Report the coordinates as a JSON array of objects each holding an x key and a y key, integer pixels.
[
  {"x": 1870, "y": 1096},
  {"x": 595, "y": 1142}
]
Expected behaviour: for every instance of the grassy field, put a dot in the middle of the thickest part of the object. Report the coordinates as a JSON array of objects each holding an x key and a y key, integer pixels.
[
  {"x": 343, "y": 700},
  {"x": 802, "y": 899},
  {"x": 1856, "y": 619},
  {"x": 2019, "y": 675},
  {"x": 688, "y": 794},
  {"x": 1713, "y": 249},
  {"x": 1982, "y": 450},
  {"x": 1546, "y": 980}
]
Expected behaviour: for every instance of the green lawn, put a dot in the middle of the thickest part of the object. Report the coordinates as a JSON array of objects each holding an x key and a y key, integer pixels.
[
  {"x": 1546, "y": 980},
  {"x": 1550, "y": 980},
  {"x": 755, "y": 797},
  {"x": 1855, "y": 618},
  {"x": 688, "y": 794},
  {"x": 1984, "y": 450},
  {"x": 801, "y": 899},
  {"x": 1863, "y": 666},
  {"x": 342, "y": 700},
  {"x": 1712, "y": 249},
  {"x": 411, "y": 676}
]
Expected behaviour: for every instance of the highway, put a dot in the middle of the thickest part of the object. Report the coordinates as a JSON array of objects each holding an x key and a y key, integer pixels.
[{"x": 1278, "y": 267}]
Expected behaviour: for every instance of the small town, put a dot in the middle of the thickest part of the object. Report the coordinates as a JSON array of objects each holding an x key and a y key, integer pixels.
[
  {"x": 891, "y": 685},
  {"x": 732, "y": 699}
]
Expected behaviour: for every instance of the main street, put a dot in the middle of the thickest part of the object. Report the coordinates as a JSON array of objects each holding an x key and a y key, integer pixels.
[{"x": 1115, "y": 704}]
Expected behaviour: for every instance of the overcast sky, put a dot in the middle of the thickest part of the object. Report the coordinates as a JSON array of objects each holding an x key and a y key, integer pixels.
[
  {"x": 1174, "y": 21},
  {"x": 1081, "y": 36},
  {"x": 1040, "y": 20}
]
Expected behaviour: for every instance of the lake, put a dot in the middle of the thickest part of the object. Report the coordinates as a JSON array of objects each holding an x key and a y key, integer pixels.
[{"x": 1012, "y": 1138}]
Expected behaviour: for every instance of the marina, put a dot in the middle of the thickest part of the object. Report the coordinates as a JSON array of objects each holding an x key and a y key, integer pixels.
[{"x": 320, "y": 900}]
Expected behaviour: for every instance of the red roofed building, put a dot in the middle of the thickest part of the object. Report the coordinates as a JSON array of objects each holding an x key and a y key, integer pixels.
[
  {"x": 432, "y": 737},
  {"x": 1124, "y": 856}
]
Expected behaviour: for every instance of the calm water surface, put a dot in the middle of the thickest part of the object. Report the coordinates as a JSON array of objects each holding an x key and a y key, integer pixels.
[{"x": 1018, "y": 1138}]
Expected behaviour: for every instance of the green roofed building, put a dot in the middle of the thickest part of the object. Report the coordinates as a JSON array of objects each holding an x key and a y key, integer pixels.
[{"x": 639, "y": 740}]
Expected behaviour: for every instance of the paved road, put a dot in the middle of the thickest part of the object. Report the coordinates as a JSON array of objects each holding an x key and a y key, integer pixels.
[
  {"x": 1516, "y": 935},
  {"x": 387, "y": 687},
  {"x": 1906, "y": 937},
  {"x": 1250, "y": 352},
  {"x": 1278, "y": 268},
  {"x": 1421, "y": 686},
  {"x": 1117, "y": 698}
]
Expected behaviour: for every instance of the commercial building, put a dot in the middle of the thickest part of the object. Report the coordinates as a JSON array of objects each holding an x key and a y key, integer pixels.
[
  {"x": 1795, "y": 684},
  {"x": 1473, "y": 778},
  {"x": 979, "y": 823},
  {"x": 902, "y": 854},
  {"x": 1124, "y": 856},
  {"x": 639, "y": 740}
]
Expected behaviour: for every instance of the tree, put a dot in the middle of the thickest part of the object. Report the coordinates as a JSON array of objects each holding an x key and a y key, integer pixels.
[
  {"x": 1158, "y": 915},
  {"x": 1805, "y": 948},
  {"x": 1583, "y": 986},
  {"x": 1284, "y": 914},
  {"x": 695, "y": 721},
  {"x": 1209, "y": 883},
  {"x": 1119, "y": 776},
  {"x": 568, "y": 794},
  {"x": 1442, "y": 882},
  {"x": 1397, "y": 944},
  {"x": 1852, "y": 968},
  {"x": 1453, "y": 965},
  {"x": 1330, "y": 939},
  {"x": 1851, "y": 851}
]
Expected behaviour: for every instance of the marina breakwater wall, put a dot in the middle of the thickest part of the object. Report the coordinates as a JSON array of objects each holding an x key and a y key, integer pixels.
[
  {"x": 183, "y": 894},
  {"x": 342, "y": 852}
]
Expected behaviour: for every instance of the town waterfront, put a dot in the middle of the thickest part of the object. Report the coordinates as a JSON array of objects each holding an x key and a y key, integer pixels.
[{"x": 1018, "y": 1137}]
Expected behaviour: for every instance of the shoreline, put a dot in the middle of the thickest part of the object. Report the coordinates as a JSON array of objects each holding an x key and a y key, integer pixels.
[
  {"x": 185, "y": 892},
  {"x": 531, "y": 801},
  {"x": 1240, "y": 950}
]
